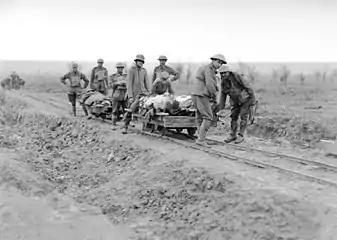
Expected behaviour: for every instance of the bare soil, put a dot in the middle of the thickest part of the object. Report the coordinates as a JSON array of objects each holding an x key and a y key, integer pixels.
[{"x": 147, "y": 188}]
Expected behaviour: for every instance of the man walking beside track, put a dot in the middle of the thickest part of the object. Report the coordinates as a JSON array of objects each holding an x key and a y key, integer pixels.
[
  {"x": 205, "y": 94},
  {"x": 75, "y": 89},
  {"x": 99, "y": 78},
  {"x": 137, "y": 87},
  {"x": 242, "y": 100},
  {"x": 164, "y": 68},
  {"x": 118, "y": 85}
]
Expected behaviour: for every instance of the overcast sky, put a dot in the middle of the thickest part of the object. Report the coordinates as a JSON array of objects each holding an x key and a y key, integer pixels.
[{"x": 185, "y": 30}]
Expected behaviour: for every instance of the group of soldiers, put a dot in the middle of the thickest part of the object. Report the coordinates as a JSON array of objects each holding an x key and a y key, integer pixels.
[
  {"x": 128, "y": 89},
  {"x": 12, "y": 82}
]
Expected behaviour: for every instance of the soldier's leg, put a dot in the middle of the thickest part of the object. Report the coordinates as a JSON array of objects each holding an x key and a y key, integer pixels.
[
  {"x": 235, "y": 113},
  {"x": 244, "y": 112},
  {"x": 115, "y": 106},
  {"x": 198, "y": 117},
  {"x": 205, "y": 108},
  {"x": 72, "y": 100},
  {"x": 128, "y": 116}
]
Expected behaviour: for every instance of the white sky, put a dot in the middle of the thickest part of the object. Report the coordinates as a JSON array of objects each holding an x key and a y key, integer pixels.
[{"x": 184, "y": 30}]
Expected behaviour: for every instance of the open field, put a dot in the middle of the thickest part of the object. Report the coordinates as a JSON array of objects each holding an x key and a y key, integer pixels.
[
  {"x": 305, "y": 105},
  {"x": 71, "y": 176}
]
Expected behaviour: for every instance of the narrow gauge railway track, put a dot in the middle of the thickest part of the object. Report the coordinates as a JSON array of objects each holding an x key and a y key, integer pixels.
[
  {"x": 220, "y": 153},
  {"x": 248, "y": 161}
]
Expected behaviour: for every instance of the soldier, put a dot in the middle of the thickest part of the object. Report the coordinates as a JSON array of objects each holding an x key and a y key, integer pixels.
[
  {"x": 5, "y": 83},
  {"x": 119, "y": 97},
  {"x": 119, "y": 75},
  {"x": 242, "y": 99},
  {"x": 99, "y": 78},
  {"x": 205, "y": 94},
  {"x": 161, "y": 85},
  {"x": 163, "y": 67},
  {"x": 74, "y": 77},
  {"x": 137, "y": 87}
]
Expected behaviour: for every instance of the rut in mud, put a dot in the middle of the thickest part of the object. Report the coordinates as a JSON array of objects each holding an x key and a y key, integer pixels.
[{"x": 159, "y": 198}]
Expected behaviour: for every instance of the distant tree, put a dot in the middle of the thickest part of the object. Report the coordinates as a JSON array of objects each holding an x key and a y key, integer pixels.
[
  {"x": 188, "y": 74},
  {"x": 333, "y": 75},
  {"x": 302, "y": 78},
  {"x": 179, "y": 68},
  {"x": 324, "y": 74},
  {"x": 284, "y": 75},
  {"x": 274, "y": 75},
  {"x": 318, "y": 75},
  {"x": 249, "y": 71}
]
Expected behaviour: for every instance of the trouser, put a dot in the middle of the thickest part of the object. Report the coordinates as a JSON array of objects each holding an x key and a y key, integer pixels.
[
  {"x": 204, "y": 115},
  {"x": 99, "y": 87},
  {"x": 242, "y": 111},
  {"x": 116, "y": 106},
  {"x": 73, "y": 94},
  {"x": 134, "y": 106}
]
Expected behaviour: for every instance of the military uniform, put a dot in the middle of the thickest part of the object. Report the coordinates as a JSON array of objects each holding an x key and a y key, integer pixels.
[
  {"x": 204, "y": 96},
  {"x": 242, "y": 97},
  {"x": 99, "y": 79},
  {"x": 75, "y": 89},
  {"x": 117, "y": 77},
  {"x": 164, "y": 68},
  {"x": 118, "y": 98},
  {"x": 137, "y": 87}
]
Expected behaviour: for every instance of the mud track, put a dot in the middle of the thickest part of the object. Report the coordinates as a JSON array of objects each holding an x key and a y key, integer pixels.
[
  {"x": 162, "y": 190},
  {"x": 305, "y": 168}
]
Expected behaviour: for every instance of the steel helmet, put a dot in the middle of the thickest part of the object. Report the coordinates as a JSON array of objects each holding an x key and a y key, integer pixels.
[
  {"x": 74, "y": 64},
  {"x": 224, "y": 68},
  {"x": 119, "y": 65},
  {"x": 100, "y": 60},
  {"x": 219, "y": 57},
  {"x": 140, "y": 57},
  {"x": 165, "y": 75},
  {"x": 162, "y": 57}
]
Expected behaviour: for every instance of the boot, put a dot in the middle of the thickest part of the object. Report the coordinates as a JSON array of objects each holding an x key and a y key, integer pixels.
[
  {"x": 231, "y": 138},
  {"x": 114, "y": 120},
  {"x": 125, "y": 130},
  {"x": 239, "y": 139},
  {"x": 202, "y": 133},
  {"x": 199, "y": 122}
]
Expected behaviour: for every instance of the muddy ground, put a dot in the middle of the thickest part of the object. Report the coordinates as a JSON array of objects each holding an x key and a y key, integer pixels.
[{"x": 72, "y": 173}]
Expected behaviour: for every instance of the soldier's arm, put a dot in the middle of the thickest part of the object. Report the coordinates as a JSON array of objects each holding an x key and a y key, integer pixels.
[
  {"x": 247, "y": 85},
  {"x": 146, "y": 83},
  {"x": 92, "y": 77},
  {"x": 85, "y": 79},
  {"x": 170, "y": 89},
  {"x": 154, "y": 88},
  {"x": 114, "y": 86},
  {"x": 175, "y": 73},
  {"x": 223, "y": 96},
  {"x": 211, "y": 84},
  {"x": 154, "y": 74},
  {"x": 64, "y": 78},
  {"x": 129, "y": 83},
  {"x": 106, "y": 77}
]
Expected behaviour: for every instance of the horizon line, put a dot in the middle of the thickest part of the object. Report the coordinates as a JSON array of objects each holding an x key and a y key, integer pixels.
[{"x": 42, "y": 60}]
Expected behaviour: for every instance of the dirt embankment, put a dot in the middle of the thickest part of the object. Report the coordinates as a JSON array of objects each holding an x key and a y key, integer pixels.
[{"x": 157, "y": 197}]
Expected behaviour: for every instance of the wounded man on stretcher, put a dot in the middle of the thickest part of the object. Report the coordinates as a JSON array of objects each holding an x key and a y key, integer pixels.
[{"x": 98, "y": 104}]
